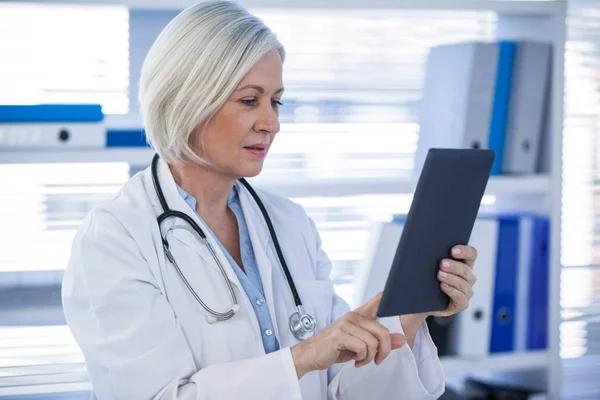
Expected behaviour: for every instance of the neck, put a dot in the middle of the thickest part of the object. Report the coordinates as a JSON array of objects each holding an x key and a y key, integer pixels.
[{"x": 208, "y": 187}]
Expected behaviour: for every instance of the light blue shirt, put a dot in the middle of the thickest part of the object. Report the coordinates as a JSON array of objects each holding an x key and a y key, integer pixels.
[{"x": 250, "y": 280}]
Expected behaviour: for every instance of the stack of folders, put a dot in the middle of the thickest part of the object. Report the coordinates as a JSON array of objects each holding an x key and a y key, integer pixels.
[
  {"x": 509, "y": 310},
  {"x": 51, "y": 127},
  {"x": 489, "y": 96}
]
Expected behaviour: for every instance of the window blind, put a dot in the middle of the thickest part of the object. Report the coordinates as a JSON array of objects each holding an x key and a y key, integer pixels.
[
  {"x": 353, "y": 85},
  {"x": 64, "y": 54},
  {"x": 580, "y": 278}
]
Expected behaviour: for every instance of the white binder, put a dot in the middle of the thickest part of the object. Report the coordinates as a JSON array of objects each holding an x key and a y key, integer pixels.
[
  {"x": 471, "y": 331},
  {"x": 373, "y": 271},
  {"x": 458, "y": 97},
  {"x": 52, "y": 136},
  {"x": 523, "y": 276},
  {"x": 531, "y": 77}
]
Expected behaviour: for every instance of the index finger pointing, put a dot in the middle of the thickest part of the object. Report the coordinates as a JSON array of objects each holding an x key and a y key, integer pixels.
[{"x": 369, "y": 309}]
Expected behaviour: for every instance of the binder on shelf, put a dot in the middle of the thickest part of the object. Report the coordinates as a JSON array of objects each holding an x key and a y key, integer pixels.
[
  {"x": 372, "y": 272},
  {"x": 531, "y": 310},
  {"x": 527, "y": 110},
  {"x": 458, "y": 97},
  {"x": 51, "y": 126},
  {"x": 472, "y": 327},
  {"x": 537, "y": 330},
  {"x": 505, "y": 287},
  {"x": 523, "y": 277},
  {"x": 543, "y": 163},
  {"x": 509, "y": 308},
  {"x": 501, "y": 103},
  {"x": 488, "y": 95}
]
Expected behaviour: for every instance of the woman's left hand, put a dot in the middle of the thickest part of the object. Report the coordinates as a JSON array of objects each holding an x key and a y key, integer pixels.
[{"x": 457, "y": 279}]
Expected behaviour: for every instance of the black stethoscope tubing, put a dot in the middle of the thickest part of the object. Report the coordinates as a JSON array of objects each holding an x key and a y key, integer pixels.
[{"x": 167, "y": 212}]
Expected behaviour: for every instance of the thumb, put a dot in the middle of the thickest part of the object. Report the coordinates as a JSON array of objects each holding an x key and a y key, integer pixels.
[
  {"x": 398, "y": 340},
  {"x": 369, "y": 309}
]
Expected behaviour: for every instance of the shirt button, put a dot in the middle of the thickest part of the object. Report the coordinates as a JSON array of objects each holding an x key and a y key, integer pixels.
[
  {"x": 260, "y": 302},
  {"x": 268, "y": 332}
]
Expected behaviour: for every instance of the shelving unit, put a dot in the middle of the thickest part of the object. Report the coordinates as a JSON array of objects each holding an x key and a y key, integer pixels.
[
  {"x": 496, "y": 363},
  {"x": 539, "y": 20}
]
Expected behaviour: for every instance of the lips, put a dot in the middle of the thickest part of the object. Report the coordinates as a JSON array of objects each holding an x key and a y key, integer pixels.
[
  {"x": 259, "y": 147},
  {"x": 259, "y": 150}
]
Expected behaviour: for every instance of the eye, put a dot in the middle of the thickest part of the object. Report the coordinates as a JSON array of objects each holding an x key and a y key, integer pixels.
[
  {"x": 276, "y": 103},
  {"x": 249, "y": 102}
]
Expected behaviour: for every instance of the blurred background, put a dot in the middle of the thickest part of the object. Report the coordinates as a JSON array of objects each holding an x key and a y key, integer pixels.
[{"x": 358, "y": 78}]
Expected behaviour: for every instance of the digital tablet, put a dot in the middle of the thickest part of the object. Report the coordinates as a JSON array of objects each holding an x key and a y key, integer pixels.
[{"x": 442, "y": 214}]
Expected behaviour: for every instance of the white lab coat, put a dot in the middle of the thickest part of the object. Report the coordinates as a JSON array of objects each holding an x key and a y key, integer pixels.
[{"x": 144, "y": 335}]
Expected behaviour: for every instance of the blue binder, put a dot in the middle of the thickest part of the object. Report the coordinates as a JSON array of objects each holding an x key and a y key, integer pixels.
[
  {"x": 501, "y": 103},
  {"x": 537, "y": 330},
  {"x": 505, "y": 288}
]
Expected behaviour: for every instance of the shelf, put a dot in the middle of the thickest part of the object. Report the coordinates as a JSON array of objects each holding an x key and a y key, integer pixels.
[
  {"x": 524, "y": 184},
  {"x": 495, "y": 363},
  {"x": 534, "y": 7},
  {"x": 133, "y": 155},
  {"x": 516, "y": 185}
]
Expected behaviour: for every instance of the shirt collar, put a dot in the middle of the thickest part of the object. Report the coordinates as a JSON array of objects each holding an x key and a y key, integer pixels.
[{"x": 191, "y": 201}]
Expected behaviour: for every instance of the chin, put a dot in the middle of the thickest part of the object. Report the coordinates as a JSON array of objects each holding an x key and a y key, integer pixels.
[{"x": 250, "y": 170}]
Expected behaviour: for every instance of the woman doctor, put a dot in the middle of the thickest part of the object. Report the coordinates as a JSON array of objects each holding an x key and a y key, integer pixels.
[{"x": 161, "y": 313}]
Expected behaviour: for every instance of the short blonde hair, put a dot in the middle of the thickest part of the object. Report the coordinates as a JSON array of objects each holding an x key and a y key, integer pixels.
[{"x": 193, "y": 67}]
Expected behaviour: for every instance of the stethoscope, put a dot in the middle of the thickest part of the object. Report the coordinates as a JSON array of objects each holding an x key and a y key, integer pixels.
[{"x": 302, "y": 325}]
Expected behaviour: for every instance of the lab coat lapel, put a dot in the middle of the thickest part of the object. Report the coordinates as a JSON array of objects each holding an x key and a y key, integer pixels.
[
  {"x": 181, "y": 230},
  {"x": 261, "y": 242}
]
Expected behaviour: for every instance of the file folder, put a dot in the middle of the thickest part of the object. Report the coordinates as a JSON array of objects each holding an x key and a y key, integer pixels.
[
  {"x": 504, "y": 302},
  {"x": 458, "y": 96},
  {"x": 537, "y": 337},
  {"x": 51, "y": 126},
  {"x": 472, "y": 328},
  {"x": 372, "y": 272},
  {"x": 529, "y": 90},
  {"x": 501, "y": 103}
]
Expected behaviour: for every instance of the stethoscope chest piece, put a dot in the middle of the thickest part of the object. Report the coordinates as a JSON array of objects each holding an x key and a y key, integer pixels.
[{"x": 302, "y": 325}]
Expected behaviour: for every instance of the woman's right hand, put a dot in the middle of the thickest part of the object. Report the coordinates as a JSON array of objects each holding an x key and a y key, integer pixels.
[{"x": 354, "y": 336}]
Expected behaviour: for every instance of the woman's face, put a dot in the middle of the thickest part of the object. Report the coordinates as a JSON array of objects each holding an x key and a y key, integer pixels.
[{"x": 238, "y": 137}]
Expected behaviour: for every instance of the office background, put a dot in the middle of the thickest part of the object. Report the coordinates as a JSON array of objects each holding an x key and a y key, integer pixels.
[{"x": 350, "y": 126}]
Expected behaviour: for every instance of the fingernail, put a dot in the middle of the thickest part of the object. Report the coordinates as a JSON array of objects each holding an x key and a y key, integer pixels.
[
  {"x": 446, "y": 265},
  {"x": 444, "y": 285},
  {"x": 456, "y": 252},
  {"x": 443, "y": 274}
]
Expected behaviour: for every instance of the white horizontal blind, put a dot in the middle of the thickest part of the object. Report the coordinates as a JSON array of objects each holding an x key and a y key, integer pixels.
[
  {"x": 353, "y": 84},
  {"x": 580, "y": 278},
  {"x": 64, "y": 54},
  {"x": 44, "y": 204}
]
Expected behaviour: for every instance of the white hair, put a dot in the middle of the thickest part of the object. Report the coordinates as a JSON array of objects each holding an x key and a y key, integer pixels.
[{"x": 194, "y": 65}]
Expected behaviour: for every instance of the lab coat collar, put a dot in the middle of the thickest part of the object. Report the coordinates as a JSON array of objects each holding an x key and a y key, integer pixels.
[{"x": 186, "y": 235}]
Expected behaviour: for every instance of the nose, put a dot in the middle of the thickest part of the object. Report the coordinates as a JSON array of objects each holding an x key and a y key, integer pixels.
[{"x": 267, "y": 121}]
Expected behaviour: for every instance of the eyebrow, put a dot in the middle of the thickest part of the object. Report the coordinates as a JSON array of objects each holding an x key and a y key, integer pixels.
[{"x": 259, "y": 89}]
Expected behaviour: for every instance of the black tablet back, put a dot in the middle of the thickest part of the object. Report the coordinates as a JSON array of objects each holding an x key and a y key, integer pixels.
[{"x": 442, "y": 215}]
